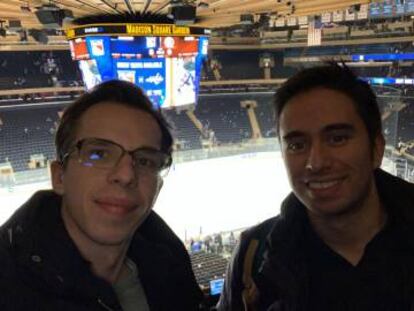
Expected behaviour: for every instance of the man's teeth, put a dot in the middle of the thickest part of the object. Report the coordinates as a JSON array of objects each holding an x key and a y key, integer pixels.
[{"x": 323, "y": 185}]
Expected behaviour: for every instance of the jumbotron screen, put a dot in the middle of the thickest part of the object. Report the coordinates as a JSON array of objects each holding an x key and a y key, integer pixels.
[{"x": 166, "y": 67}]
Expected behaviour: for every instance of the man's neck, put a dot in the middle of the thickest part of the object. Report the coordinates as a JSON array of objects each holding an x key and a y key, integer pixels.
[
  {"x": 349, "y": 233},
  {"x": 107, "y": 263}
]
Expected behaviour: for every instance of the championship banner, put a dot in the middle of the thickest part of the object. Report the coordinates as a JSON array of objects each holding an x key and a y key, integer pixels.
[{"x": 315, "y": 32}]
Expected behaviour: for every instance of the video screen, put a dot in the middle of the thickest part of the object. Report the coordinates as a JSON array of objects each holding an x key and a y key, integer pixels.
[
  {"x": 79, "y": 49},
  {"x": 388, "y": 81},
  {"x": 184, "y": 80},
  {"x": 216, "y": 287},
  {"x": 166, "y": 68},
  {"x": 382, "y": 57},
  {"x": 90, "y": 73}
]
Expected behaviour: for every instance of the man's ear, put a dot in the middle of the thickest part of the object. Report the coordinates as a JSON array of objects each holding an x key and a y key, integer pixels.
[
  {"x": 379, "y": 149},
  {"x": 160, "y": 183},
  {"x": 159, "y": 187},
  {"x": 56, "y": 170}
]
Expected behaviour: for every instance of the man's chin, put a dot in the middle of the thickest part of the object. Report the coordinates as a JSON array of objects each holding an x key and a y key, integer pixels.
[
  {"x": 113, "y": 240},
  {"x": 329, "y": 210}
]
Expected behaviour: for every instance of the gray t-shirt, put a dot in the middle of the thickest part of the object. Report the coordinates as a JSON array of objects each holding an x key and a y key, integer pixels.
[{"x": 129, "y": 290}]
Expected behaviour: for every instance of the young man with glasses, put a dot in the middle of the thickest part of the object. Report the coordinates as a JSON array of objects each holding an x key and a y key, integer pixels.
[{"x": 94, "y": 243}]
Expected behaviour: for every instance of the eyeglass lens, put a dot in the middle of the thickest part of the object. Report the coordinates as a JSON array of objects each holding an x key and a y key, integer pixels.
[{"x": 105, "y": 154}]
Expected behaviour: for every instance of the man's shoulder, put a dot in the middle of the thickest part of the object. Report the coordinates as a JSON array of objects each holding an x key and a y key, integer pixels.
[
  {"x": 38, "y": 202},
  {"x": 9, "y": 279},
  {"x": 17, "y": 231},
  {"x": 260, "y": 230},
  {"x": 255, "y": 235},
  {"x": 386, "y": 180},
  {"x": 396, "y": 193},
  {"x": 20, "y": 232},
  {"x": 6, "y": 260}
]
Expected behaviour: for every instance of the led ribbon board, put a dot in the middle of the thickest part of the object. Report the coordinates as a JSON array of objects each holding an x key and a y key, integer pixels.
[{"x": 163, "y": 59}]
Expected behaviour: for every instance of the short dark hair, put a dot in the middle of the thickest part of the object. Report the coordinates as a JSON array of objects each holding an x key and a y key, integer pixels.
[
  {"x": 118, "y": 92},
  {"x": 339, "y": 78}
]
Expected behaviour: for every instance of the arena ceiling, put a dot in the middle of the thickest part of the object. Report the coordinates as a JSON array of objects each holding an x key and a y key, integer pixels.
[{"x": 210, "y": 13}]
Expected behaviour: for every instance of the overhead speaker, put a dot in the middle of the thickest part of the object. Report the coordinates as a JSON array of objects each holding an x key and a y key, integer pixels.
[
  {"x": 39, "y": 35},
  {"x": 246, "y": 19},
  {"x": 15, "y": 25},
  {"x": 52, "y": 17},
  {"x": 183, "y": 14}
]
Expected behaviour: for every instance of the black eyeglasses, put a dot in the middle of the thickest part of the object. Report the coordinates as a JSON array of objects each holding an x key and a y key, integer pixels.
[{"x": 102, "y": 153}]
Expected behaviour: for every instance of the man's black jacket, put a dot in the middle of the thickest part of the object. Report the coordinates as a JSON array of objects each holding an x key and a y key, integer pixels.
[
  {"x": 282, "y": 276},
  {"x": 41, "y": 269}
]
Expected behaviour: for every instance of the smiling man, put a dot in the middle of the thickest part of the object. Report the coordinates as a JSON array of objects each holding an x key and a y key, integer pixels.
[
  {"x": 344, "y": 238},
  {"x": 94, "y": 243}
]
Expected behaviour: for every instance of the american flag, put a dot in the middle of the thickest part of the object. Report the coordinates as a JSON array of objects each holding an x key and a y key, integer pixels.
[{"x": 315, "y": 32}]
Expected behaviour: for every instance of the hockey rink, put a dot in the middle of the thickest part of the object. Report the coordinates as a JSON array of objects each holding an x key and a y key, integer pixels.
[{"x": 204, "y": 196}]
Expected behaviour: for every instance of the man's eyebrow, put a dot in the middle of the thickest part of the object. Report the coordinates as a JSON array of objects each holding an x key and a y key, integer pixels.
[
  {"x": 146, "y": 148},
  {"x": 293, "y": 134},
  {"x": 328, "y": 128},
  {"x": 339, "y": 126}
]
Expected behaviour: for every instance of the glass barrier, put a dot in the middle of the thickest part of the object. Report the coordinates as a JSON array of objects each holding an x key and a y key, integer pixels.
[{"x": 260, "y": 145}]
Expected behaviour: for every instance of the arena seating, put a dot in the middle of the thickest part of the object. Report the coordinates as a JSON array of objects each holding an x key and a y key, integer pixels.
[
  {"x": 36, "y": 69},
  {"x": 225, "y": 116},
  {"x": 335, "y": 33},
  {"x": 265, "y": 115},
  {"x": 274, "y": 36},
  {"x": 207, "y": 72},
  {"x": 30, "y": 130},
  {"x": 222, "y": 114},
  {"x": 207, "y": 267},
  {"x": 25, "y": 132},
  {"x": 242, "y": 65},
  {"x": 406, "y": 124},
  {"x": 184, "y": 130},
  {"x": 43, "y": 69}
]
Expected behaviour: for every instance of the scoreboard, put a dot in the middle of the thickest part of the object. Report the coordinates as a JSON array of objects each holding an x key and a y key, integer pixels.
[{"x": 164, "y": 60}]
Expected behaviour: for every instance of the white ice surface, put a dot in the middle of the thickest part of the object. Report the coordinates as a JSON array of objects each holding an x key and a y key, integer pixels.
[{"x": 209, "y": 195}]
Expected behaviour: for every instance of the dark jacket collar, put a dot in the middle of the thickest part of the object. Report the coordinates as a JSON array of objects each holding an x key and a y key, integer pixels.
[{"x": 396, "y": 194}]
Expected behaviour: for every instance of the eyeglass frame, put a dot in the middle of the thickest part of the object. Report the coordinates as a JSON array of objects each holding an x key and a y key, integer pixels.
[{"x": 78, "y": 145}]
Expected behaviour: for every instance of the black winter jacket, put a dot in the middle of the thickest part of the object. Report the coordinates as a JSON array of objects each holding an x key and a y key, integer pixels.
[
  {"x": 42, "y": 270},
  {"x": 281, "y": 277}
]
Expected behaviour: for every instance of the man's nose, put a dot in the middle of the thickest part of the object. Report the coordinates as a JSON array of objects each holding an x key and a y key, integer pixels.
[
  {"x": 318, "y": 158},
  {"x": 124, "y": 172}
]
